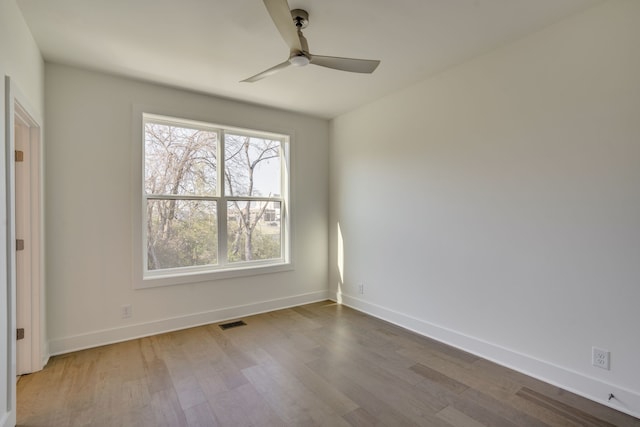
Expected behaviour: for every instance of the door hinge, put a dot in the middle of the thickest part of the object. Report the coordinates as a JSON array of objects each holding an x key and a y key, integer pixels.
[
  {"x": 19, "y": 245},
  {"x": 20, "y": 334},
  {"x": 19, "y": 156}
]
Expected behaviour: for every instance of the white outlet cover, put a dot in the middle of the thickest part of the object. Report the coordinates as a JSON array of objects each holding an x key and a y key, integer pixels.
[
  {"x": 600, "y": 358},
  {"x": 126, "y": 311}
]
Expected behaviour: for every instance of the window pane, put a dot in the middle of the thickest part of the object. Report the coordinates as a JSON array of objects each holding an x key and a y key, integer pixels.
[
  {"x": 179, "y": 160},
  {"x": 253, "y": 230},
  {"x": 181, "y": 233},
  {"x": 252, "y": 166}
]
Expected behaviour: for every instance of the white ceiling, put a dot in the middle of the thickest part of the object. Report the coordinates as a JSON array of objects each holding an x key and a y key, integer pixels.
[{"x": 210, "y": 45}]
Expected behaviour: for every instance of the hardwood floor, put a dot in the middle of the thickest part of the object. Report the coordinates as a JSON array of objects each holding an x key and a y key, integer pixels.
[{"x": 318, "y": 364}]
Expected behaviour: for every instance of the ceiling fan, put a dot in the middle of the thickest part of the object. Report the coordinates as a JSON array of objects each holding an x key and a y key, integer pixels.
[{"x": 290, "y": 24}]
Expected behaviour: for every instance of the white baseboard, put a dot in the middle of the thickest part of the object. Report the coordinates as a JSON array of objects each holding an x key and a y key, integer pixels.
[
  {"x": 139, "y": 330},
  {"x": 627, "y": 401},
  {"x": 45, "y": 360},
  {"x": 8, "y": 419}
]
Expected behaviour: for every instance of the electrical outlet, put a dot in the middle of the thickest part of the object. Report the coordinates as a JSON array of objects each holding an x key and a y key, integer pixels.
[
  {"x": 600, "y": 358},
  {"x": 361, "y": 288},
  {"x": 126, "y": 311}
]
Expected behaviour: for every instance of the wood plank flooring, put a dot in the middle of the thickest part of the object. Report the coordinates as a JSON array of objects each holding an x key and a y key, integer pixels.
[{"x": 320, "y": 364}]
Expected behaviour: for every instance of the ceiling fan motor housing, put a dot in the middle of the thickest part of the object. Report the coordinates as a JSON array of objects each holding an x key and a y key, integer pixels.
[{"x": 299, "y": 60}]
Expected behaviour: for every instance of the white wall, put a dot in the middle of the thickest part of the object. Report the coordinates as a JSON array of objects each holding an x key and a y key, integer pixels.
[
  {"x": 20, "y": 59},
  {"x": 89, "y": 210},
  {"x": 497, "y": 205}
]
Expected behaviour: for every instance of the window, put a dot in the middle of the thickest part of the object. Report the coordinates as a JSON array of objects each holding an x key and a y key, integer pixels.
[{"x": 214, "y": 198}]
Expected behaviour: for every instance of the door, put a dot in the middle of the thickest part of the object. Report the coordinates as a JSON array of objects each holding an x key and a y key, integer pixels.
[{"x": 23, "y": 273}]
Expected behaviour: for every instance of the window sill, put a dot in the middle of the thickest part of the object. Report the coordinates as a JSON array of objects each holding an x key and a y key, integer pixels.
[{"x": 209, "y": 276}]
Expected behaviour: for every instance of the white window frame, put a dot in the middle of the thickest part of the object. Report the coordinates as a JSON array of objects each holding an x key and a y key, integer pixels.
[{"x": 145, "y": 278}]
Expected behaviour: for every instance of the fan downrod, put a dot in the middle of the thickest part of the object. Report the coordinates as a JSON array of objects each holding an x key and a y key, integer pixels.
[{"x": 300, "y": 18}]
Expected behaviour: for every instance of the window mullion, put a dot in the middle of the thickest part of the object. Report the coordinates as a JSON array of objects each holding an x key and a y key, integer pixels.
[{"x": 222, "y": 203}]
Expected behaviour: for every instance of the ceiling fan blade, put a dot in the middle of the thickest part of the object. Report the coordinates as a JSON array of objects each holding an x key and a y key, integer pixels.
[
  {"x": 281, "y": 16},
  {"x": 345, "y": 64},
  {"x": 266, "y": 73}
]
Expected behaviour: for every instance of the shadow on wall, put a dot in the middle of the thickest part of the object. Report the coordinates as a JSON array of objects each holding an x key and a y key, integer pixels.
[{"x": 340, "y": 263}]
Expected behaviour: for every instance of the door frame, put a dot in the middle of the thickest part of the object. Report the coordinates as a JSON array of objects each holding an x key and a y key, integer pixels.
[{"x": 19, "y": 112}]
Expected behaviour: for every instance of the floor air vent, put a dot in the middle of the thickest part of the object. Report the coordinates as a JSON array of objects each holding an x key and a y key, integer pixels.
[{"x": 229, "y": 325}]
